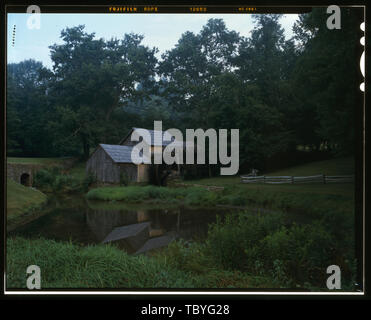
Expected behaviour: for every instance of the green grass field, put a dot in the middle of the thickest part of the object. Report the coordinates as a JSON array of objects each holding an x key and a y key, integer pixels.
[
  {"x": 38, "y": 161},
  {"x": 341, "y": 166},
  {"x": 22, "y": 201}
]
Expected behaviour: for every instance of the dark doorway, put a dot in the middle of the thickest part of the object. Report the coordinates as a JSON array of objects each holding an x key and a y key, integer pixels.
[{"x": 25, "y": 179}]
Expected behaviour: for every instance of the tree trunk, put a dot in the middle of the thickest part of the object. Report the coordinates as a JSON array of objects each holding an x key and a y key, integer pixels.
[{"x": 86, "y": 147}]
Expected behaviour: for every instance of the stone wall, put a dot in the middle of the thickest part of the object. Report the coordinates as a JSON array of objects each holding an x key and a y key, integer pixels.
[{"x": 15, "y": 171}]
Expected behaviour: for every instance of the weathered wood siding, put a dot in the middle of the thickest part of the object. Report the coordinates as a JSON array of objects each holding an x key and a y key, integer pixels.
[
  {"x": 143, "y": 173},
  {"x": 102, "y": 166},
  {"x": 130, "y": 170},
  {"x": 106, "y": 170}
]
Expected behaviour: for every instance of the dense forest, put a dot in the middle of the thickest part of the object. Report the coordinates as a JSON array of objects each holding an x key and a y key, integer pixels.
[{"x": 282, "y": 94}]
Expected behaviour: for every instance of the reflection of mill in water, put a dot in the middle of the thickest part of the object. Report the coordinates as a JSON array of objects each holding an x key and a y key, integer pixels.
[{"x": 136, "y": 231}]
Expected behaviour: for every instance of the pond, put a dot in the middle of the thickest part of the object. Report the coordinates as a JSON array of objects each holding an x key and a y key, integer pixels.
[{"x": 135, "y": 228}]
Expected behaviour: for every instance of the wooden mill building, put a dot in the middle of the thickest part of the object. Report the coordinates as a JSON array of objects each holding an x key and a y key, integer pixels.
[{"x": 109, "y": 162}]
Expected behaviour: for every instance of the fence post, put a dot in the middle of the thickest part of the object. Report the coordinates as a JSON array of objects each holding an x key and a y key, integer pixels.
[
  {"x": 292, "y": 179},
  {"x": 263, "y": 179},
  {"x": 324, "y": 179}
]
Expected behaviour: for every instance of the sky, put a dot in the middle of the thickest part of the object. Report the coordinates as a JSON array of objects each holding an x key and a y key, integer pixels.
[{"x": 160, "y": 30}]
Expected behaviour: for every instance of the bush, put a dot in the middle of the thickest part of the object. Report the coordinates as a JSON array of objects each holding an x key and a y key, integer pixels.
[
  {"x": 44, "y": 177},
  {"x": 304, "y": 251},
  {"x": 61, "y": 182},
  {"x": 233, "y": 242},
  {"x": 266, "y": 245},
  {"x": 52, "y": 179},
  {"x": 187, "y": 256}
]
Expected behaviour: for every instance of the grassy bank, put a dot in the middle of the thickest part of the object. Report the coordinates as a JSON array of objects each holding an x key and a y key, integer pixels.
[
  {"x": 286, "y": 196},
  {"x": 39, "y": 161},
  {"x": 310, "y": 201},
  {"x": 135, "y": 194},
  {"x": 22, "y": 203},
  {"x": 65, "y": 265}
]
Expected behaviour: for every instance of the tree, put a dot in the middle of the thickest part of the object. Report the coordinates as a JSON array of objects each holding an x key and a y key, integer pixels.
[
  {"x": 260, "y": 58},
  {"x": 237, "y": 104},
  {"x": 93, "y": 78},
  {"x": 326, "y": 80},
  {"x": 265, "y": 60},
  {"x": 191, "y": 66},
  {"x": 26, "y": 109}
]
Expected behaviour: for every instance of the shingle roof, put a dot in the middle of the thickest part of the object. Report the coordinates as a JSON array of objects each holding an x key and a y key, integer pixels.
[{"x": 119, "y": 154}]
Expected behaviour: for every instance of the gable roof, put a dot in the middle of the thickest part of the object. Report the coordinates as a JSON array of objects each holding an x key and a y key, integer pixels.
[{"x": 119, "y": 154}]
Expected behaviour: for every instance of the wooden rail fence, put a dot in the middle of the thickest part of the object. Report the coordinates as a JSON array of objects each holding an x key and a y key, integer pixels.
[{"x": 320, "y": 178}]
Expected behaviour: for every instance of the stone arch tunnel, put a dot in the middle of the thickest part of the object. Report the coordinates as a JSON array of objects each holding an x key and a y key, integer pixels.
[{"x": 21, "y": 173}]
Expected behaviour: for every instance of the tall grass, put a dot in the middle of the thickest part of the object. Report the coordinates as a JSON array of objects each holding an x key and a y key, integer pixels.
[{"x": 66, "y": 265}]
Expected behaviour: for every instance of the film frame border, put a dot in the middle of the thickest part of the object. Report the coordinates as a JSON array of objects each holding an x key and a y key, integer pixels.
[{"x": 220, "y": 8}]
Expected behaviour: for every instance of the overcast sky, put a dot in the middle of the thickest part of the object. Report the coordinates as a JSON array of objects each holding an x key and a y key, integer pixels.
[{"x": 160, "y": 30}]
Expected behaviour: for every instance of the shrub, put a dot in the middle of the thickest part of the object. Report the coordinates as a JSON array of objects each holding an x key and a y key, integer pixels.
[
  {"x": 61, "y": 182},
  {"x": 52, "y": 179},
  {"x": 266, "y": 245},
  {"x": 304, "y": 251},
  {"x": 43, "y": 178},
  {"x": 187, "y": 256},
  {"x": 233, "y": 242}
]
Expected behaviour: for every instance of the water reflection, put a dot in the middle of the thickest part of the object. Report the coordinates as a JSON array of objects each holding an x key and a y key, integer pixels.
[
  {"x": 137, "y": 229},
  {"x": 134, "y": 228}
]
